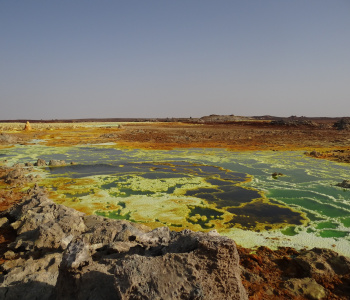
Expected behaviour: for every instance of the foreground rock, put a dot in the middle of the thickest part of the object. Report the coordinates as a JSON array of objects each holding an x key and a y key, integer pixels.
[
  {"x": 8, "y": 138},
  {"x": 18, "y": 176},
  {"x": 60, "y": 253}
]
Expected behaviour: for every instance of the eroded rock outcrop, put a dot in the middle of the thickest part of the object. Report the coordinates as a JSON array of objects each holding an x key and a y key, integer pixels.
[
  {"x": 60, "y": 253},
  {"x": 294, "y": 122},
  {"x": 18, "y": 176},
  {"x": 8, "y": 138},
  {"x": 56, "y": 163},
  {"x": 40, "y": 163},
  {"x": 344, "y": 184},
  {"x": 342, "y": 124},
  {"x": 27, "y": 126}
]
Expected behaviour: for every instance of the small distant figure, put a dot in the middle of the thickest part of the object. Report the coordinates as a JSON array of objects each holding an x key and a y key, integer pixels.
[{"x": 27, "y": 127}]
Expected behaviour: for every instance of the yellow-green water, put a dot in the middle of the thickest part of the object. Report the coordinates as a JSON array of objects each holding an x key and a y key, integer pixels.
[{"x": 204, "y": 189}]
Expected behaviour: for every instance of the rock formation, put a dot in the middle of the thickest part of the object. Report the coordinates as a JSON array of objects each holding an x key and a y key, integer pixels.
[
  {"x": 56, "y": 163},
  {"x": 27, "y": 127},
  {"x": 18, "y": 176},
  {"x": 40, "y": 163},
  {"x": 342, "y": 124},
  {"x": 294, "y": 122},
  {"x": 344, "y": 184},
  {"x": 8, "y": 139},
  {"x": 60, "y": 253}
]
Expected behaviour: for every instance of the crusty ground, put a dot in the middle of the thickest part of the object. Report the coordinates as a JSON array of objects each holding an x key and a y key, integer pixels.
[
  {"x": 328, "y": 142},
  {"x": 266, "y": 269},
  {"x": 253, "y": 135}
]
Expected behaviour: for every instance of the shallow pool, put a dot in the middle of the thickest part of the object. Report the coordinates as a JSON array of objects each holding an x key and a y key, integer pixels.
[{"x": 205, "y": 189}]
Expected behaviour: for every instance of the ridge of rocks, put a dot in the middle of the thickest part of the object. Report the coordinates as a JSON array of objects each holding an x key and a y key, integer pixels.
[
  {"x": 342, "y": 124},
  {"x": 60, "y": 253}
]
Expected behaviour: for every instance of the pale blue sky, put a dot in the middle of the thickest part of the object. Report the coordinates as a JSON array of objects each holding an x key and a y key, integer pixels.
[{"x": 147, "y": 58}]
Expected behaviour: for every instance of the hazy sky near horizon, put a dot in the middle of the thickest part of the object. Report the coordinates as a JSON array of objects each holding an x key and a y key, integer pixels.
[{"x": 166, "y": 58}]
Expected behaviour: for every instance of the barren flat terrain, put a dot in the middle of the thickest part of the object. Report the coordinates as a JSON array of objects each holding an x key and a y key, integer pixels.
[{"x": 239, "y": 135}]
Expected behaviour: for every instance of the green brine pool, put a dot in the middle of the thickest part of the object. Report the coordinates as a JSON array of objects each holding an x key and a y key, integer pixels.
[{"x": 204, "y": 189}]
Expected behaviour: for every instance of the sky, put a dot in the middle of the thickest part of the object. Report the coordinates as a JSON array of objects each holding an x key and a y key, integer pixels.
[{"x": 165, "y": 58}]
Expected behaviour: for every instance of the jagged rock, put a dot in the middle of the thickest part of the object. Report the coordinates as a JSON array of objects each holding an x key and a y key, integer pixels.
[
  {"x": 29, "y": 278},
  {"x": 342, "y": 124},
  {"x": 40, "y": 163},
  {"x": 56, "y": 163},
  {"x": 344, "y": 184},
  {"x": 44, "y": 224},
  {"x": 8, "y": 139},
  {"x": 77, "y": 255},
  {"x": 105, "y": 231},
  {"x": 60, "y": 253},
  {"x": 27, "y": 127},
  {"x": 13, "y": 175},
  {"x": 17, "y": 177},
  {"x": 208, "y": 267}
]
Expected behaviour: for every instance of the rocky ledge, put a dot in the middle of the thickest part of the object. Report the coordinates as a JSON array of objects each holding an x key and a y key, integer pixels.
[{"x": 60, "y": 253}]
